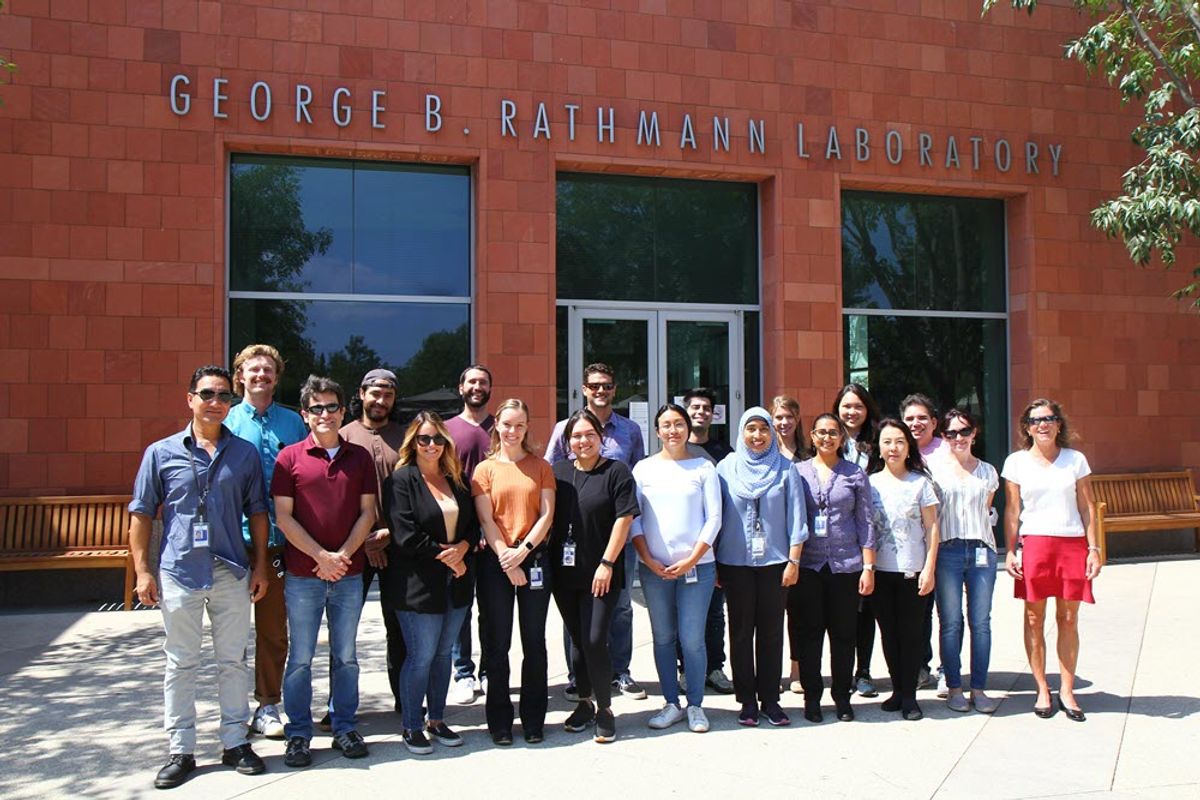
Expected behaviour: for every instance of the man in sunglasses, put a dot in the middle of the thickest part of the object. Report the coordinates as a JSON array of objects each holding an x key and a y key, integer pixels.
[
  {"x": 376, "y": 432},
  {"x": 324, "y": 489},
  {"x": 621, "y": 440},
  {"x": 269, "y": 427},
  {"x": 204, "y": 479}
]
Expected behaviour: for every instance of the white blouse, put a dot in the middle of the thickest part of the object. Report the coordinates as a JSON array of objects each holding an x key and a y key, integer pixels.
[
  {"x": 1048, "y": 503},
  {"x": 965, "y": 511},
  {"x": 681, "y": 504}
]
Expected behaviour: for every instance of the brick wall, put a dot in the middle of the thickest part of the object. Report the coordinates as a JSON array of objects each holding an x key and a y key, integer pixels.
[{"x": 112, "y": 207}]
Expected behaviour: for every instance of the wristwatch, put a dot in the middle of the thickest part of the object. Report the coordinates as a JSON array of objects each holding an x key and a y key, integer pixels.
[
  {"x": 1094, "y": 548},
  {"x": 607, "y": 563},
  {"x": 795, "y": 561},
  {"x": 869, "y": 567},
  {"x": 529, "y": 545}
]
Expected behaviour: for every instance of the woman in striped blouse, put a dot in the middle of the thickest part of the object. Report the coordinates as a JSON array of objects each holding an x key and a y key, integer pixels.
[{"x": 966, "y": 557}]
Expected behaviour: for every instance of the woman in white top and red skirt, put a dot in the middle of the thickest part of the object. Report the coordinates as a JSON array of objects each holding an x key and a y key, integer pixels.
[{"x": 1053, "y": 552}]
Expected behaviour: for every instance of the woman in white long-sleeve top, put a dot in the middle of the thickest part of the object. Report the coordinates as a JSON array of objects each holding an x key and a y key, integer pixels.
[
  {"x": 680, "y": 499},
  {"x": 763, "y": 528}
]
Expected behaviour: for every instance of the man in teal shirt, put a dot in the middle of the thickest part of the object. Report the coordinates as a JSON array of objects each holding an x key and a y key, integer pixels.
[{"x": 269, "y": 427}]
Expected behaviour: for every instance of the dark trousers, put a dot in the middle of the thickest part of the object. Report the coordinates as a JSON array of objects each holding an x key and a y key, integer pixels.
[
  {"x": 865, "y": 638},
  {"x": 587, "y": 619},
  {"x": 757, "y": 600},
  {"x": 828, "y": 605},
  {"x": 714, "y": 633},
  {"x": 901, "y": 614},
  {"x": 931, "y": 601},
  {"x": 496, "y": 598}
]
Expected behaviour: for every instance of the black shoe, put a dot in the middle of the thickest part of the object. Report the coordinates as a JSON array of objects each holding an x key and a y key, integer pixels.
[
  {"x": 775, "y": 715},
  {"x": 502, "y": 738},
  {"x": 606, "y": 726},
  {"x": 571, "y": 692},
  {"x": 244, "y": 759},
  {"x": 1045, "y": 712},
  {"x": 326, "y": 723},
  {"x": 1073, "y": 714},
  {"x": 416, "y": 743},
  {"x": 844, "y": 712},
  {"x": 176, "y": 771},
  {"x": 581, "y": 718},
  {"x": 351, "y": 744},
  {"x": 627, "y": 686},
  {"x": 534, "y": 736},
  {"x": 913, "y": 713},
  {"x": 812, "y": 713},
  {"x": 748, "y": 716},
  {"x": 298, "y": 753},
  {"x": 441, "y": 731},
  {"x": 891, "y": 705}
]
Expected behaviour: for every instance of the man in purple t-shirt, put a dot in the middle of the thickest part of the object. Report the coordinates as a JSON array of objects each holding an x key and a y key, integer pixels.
[
  {"x": 472, "y": 434},
  {"x": 324, "y": 489}
]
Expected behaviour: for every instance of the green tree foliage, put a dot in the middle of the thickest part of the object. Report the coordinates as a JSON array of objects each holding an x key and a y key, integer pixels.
[
  {"x": 1150, "y": 50},
  {"x": 5, "y": 64}
]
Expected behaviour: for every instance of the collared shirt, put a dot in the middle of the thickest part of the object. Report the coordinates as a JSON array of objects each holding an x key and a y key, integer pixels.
[
  {"x": 269, "y": 432},
  {"x": 166, "y": 479},
  {"x": 782, "y": 513},
  {"x": 384, "y": 446},
  {"x": 850, "y": 528},
  {"x": 326, "y": 496},
  {"x": 621, "y": 440}
]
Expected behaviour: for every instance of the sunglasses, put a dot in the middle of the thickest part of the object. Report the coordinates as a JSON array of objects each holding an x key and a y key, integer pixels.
[
  {"x": 964, "y": 433},
  {"x": 208, "y": 395},
  {"x": 329, "y": 408},
  {"x": 1047, "y": 420},
  {"x": 425, "y": 439},
  {"x": 600, "y": 387}
]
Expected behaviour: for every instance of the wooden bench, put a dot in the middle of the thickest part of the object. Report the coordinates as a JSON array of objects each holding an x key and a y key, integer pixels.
[
  {"x": 66, "y": 533},
  {"x": 1145, "y": 501}
]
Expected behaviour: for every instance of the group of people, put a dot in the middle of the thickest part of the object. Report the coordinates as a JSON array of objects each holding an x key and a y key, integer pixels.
[{"x": 860, "y": 523}]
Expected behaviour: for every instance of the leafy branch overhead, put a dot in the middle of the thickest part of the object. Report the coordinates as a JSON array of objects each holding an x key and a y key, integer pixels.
[{"x": 1150, "y": 50}]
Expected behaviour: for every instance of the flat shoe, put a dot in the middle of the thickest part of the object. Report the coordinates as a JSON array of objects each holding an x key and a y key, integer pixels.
[
  {"x": 814, "y": 715},
  {"x": 502, "y": 738},
  {"x": 1044, "y": 713},
  {"x": 845, "y": 713},
  {"x": 1073, "y": 714}
]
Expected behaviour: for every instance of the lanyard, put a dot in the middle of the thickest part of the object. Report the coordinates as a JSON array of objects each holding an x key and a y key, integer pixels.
[
  {"x": 757, "y": 525},
  {"x": 200, "y": 505}
]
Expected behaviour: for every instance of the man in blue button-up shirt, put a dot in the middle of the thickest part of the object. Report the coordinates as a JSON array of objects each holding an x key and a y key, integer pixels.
[
  {"x": 203, "y": 479},
  {"x": 269, "y": 427}
]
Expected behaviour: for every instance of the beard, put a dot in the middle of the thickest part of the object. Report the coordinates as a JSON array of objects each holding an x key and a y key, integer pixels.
[
  {"x": 477, "y": 399},
  {"x": 376, "y": 412}
]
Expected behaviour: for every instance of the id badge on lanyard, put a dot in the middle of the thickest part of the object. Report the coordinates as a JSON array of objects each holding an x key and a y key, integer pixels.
[
  {"x": 690, "y": 576},
  {"x": 199, "y": 533},
  {"x": 981, "y": 556},
  {"x": 758, "y": 541},
  {"x": 537, "y": 577},
  {"x": 821, "y": 524},
  {"x": 568, "y": 553}
]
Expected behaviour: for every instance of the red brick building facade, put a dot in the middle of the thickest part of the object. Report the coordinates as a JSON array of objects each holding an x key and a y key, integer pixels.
[{"x": 113, "y": 204}]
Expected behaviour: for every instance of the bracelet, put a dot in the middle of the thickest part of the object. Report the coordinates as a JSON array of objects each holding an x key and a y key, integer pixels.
[
  {"x": 608, "y": 563},
  {"x": 794, "y": 561},
  {"x": 1094, "y": 548}
]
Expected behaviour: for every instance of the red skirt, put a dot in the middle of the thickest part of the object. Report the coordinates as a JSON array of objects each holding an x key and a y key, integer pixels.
[{"x": 1054, "y": 566}]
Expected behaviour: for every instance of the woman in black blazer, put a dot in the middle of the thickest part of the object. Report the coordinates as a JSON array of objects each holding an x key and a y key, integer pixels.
[{"x": 428, "y": 577}]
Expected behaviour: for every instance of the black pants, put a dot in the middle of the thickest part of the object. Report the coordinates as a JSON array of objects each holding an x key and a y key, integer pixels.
[
  {"x": 496, "y": 595},
  {"x": 901, "y": 614},
  {"x": 587, "y": 619},
  {"x": 865, "y": 639},
  {"x": 757, "y": 600},
  {"x": 927, "y": 661},
  {"x": 714, "y": 633},
  {"x": 828, "y": 604}
]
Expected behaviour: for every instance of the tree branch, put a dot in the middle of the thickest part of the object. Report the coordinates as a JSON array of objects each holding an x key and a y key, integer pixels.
[
  {"x": 1184, "y": 90},
  {"x": 1189, "y": 11}
]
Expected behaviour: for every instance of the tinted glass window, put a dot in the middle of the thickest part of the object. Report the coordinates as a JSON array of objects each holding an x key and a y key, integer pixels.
[{"x": 676, "y": 241}]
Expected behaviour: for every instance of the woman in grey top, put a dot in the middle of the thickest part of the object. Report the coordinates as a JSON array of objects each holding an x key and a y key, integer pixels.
[{"x": 966, "y": 557}]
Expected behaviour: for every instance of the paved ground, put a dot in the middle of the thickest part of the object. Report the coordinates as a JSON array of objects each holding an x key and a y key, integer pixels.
[{"x": 82, "y": 707}]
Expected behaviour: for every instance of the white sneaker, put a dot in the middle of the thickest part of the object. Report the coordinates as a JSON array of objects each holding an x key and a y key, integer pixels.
[
  {"x": 669, "y": 715},
  {"x": 697, "y": 721},
  {"x": 462, "y": 691},
  {"x": 943, "y": 691},
  {"x": 266, "y": 722}
]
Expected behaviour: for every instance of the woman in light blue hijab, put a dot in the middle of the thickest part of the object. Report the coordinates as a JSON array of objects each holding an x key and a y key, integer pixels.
[{"x": 763, "y": 529}]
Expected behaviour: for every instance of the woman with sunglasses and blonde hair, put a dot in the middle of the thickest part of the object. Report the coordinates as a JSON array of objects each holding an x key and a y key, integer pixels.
[
  {"x": 965, "y": 558},
  {"x": 1053, "y": 551},
  {"x": 514, "y": 497},
  {"x": 428, "y": 574}
]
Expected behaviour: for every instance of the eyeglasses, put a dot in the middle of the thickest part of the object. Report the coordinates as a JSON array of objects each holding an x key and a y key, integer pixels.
[
  {"x": 826, "y": 434},
  {"x": 425, "y": 439},
  {"x": 673, "y": 426},
  {"x": 1049, "y": 419},
  {"x": 964, "y": 433},
  {"x": 329, "y": 408},
  {"x": 208, "y": 395},
  {"x": 600, "y": 387}
]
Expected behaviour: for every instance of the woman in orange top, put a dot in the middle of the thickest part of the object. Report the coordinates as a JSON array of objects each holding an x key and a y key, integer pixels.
[{"x": 514, "y": 497}]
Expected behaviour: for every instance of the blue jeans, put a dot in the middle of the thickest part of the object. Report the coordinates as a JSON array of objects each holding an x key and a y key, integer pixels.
[
  {"x": 678, "y": 611},
  {"x": 425, "y": 674},
  {"x": 341, "y": 602},
  {"x": 956, "y": 568}
]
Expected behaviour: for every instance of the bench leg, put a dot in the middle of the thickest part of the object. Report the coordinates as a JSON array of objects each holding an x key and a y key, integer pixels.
[{"x": 129, "y": 583}]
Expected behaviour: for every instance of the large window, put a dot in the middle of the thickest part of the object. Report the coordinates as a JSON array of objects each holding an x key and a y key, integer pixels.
[
  {"x": 346, "y": 266},
  {"x": 926, "y": 305}
]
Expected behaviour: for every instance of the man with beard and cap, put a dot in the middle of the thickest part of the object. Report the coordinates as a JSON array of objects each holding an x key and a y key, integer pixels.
[
  {"x": 381, "y": 436},
  {"x": 269, "y": 427},
  {"x": 472, "y": 434}
]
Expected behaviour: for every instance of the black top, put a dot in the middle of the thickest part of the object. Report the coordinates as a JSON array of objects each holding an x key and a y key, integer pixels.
[
  {"x": 414, "y": 580},
  {"x": 716, "y": 449},
  {"x": 586, "y": 506}
]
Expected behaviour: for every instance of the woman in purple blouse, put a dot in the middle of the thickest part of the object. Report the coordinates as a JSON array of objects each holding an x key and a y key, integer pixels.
[{"x": 837, "y": 565}]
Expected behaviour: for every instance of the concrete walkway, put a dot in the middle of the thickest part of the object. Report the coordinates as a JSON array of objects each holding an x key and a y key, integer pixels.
[{"x": 82, "y": 705}]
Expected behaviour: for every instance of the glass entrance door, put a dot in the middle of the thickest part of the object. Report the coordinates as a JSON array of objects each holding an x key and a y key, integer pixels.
[{"x": 659, "y": 355}]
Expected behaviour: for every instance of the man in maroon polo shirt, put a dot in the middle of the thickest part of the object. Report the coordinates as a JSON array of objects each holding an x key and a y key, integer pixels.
[{"x": 324, "y": 489}]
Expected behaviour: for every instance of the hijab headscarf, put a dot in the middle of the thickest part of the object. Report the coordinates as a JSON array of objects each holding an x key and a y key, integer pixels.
[{"x": 753, "y": 473}]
